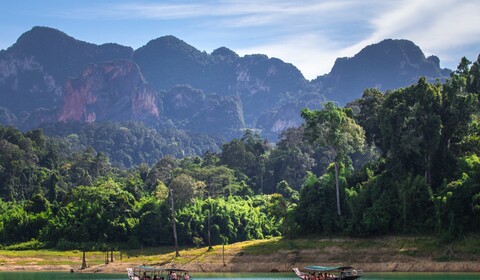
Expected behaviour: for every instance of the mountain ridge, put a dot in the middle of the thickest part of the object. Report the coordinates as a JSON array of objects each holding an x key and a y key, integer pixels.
[
  {"x": 237, "y": 92},
  {"x": 367, "y": 64}
]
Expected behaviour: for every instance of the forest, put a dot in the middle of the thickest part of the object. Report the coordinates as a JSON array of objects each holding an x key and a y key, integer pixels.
[{"x": 406, "y": 161}]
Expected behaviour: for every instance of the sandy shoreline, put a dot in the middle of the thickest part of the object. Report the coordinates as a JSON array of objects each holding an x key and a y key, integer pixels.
[
  {"x": 389, "y": 254},
  {"x": 262, "y": 266}
]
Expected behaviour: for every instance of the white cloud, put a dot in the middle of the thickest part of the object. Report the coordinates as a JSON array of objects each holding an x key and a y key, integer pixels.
[
  {"x": 228, "y": 13},
  {"x": 312, "y": 54},
  {"x": 293, "y": 31},
  {"x": 310, "y": 34},
  {"x": 438, "y": 27}
]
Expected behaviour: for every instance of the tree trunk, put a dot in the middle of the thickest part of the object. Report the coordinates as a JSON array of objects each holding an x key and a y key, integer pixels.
[
  {"x": 428, "y": 173},
  {"x": 337, "y": 186},
  {"x": 174, "y": 225},
  {"x": 209, "y": 239},
  {"x": 223, "y": 253},
  {"x": 84, "y": 261}
]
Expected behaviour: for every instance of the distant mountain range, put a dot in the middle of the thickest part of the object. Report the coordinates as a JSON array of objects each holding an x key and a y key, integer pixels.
[{"x": 48, "y": 77}]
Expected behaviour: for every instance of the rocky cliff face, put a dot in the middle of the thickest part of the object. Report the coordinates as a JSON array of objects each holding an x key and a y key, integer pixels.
[
  {"x": 260, "y": 82},
  {"x": 224, "y": 92},
  {"x": 112, "y": 91},
  {"x": 194, "y": 110},
  {"x": 264, "y": 83},
  {"x": 288, "y": 115},
  {"x": 35, "y": 69},
  {"x": 63, "y": 56},
  {"x": 25, "y": 85}
]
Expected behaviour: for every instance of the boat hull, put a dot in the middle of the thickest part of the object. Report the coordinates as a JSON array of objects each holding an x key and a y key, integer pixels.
[{"x": 349, "y": 274}]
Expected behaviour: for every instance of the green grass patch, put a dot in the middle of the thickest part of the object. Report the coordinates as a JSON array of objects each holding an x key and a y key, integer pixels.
[
  {"x": 465, "y": 248},
  {"x": 275, "y": 245}
]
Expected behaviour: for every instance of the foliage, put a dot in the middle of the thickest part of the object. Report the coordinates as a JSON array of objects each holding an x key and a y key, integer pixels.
[
  {"x": 247, "y": 156},
  {"x": 290, "y": 161},
  {"x": 233, "y": 218},
  {"x": 132, "y": 143},
  {"x": 420, "y": 175},
  {"x": 33, "y": 244},
  {"x": 335, "y": 130},
  {"x": 101, "y": 213}
]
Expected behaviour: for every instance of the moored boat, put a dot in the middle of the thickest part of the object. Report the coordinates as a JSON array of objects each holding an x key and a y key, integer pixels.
[
  {"x": 157, "y": 273},
  {"x": 328, "y": 273}
]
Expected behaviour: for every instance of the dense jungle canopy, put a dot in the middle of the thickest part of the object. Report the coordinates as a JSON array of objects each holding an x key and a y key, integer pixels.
[{"x": 405, "y": 161}]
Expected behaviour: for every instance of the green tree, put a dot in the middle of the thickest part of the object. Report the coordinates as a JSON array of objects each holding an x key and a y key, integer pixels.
[
  {"x": 474, "y": 82},
  {"x": 163, "y": 171},
  {"x": 316, "y": 211},
  {"x": 368, "y": 114},
  {"x": 290, "y": 160},
  {"x": 457, "y": 109},
  {"x": 247, "y": 156},
  {"x": 334, "y": 129},
  {"x": 422, "y": 126},
  {"x": 183, "y": 187},
  {"x": 181, "y": 191},
  {"x": 460, "y": 200},
  {"x": 286, "y": 191},
  {"x": 98, "y": 214}
]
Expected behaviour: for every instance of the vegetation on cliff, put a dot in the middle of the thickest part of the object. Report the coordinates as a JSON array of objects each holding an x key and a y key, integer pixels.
[{"x": 417, "y": 174}]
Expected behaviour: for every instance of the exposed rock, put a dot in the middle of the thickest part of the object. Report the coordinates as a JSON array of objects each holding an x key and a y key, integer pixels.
[
  {"x": 109, "y": 91},
  {"x": 288, "y": 115},
  {"x": 191, "y": 109},
  {"x": 264, "y": 83},
  {"x": 34, "y": 70},
  {"x": 227, "y": 92},
  {"x": 26, "y": 86}
]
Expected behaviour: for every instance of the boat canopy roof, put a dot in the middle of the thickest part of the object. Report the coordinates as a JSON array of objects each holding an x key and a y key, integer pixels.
[
  {"x": 327, "y": 268},
  {"x": 157, "y": 268}
]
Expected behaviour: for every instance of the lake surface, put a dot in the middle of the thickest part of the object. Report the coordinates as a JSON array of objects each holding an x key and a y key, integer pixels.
[{"x": 233, "y": 276}]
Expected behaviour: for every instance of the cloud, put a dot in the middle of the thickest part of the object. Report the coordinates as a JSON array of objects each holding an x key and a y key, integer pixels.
[
  {"x": 272, "y": 9},
  {"x": 438, "y": 28},
  {"x": 310, "y": 34},
  {"x": 235, "y": 14},
  {"x": 312, "y": 54}
]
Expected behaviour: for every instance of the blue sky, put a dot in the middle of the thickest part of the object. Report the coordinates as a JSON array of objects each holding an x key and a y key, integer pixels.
[{"x": 308, "y": 34}]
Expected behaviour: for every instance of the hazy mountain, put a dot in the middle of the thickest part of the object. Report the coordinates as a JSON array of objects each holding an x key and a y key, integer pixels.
[
  {"x": 390, "y": 64},
  {"x": 48, "y": 76},
  {"x": 193, "y": 110},
  {"x": 259, "y": 81},
  {"x": 34, "y": 70}
]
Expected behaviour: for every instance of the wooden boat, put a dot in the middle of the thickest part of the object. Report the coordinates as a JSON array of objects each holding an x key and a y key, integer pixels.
[
  {"x": 157, "y": 273},
  {"x": 328, "y": 273}
]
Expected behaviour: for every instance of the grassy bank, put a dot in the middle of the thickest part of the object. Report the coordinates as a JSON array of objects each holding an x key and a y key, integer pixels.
[{"x": 264, "y": 255}]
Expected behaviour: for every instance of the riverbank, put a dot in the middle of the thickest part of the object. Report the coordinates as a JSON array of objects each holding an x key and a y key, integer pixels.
[{"x": 386, "y": 254}]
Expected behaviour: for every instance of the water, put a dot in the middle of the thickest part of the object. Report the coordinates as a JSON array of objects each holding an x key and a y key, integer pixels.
[{"x": 233, "y": 276}]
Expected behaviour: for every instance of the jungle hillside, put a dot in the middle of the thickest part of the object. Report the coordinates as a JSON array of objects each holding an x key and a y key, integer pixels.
[{"x": 401, "y": 162}]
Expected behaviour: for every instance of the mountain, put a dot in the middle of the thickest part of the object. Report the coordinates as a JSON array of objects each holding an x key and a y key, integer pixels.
[
  {"x": 48, "y": 77},
  {"x": 390, "y": 64},
  {"x": 257, "y": 80},
  {"x": 109, "y": 91},
  {"x": 34, "y": 70},
  {"x": 193, "y": 110}
]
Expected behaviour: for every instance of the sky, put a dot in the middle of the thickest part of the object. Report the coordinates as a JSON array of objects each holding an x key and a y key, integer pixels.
[{"x": 309, "y": 34}]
